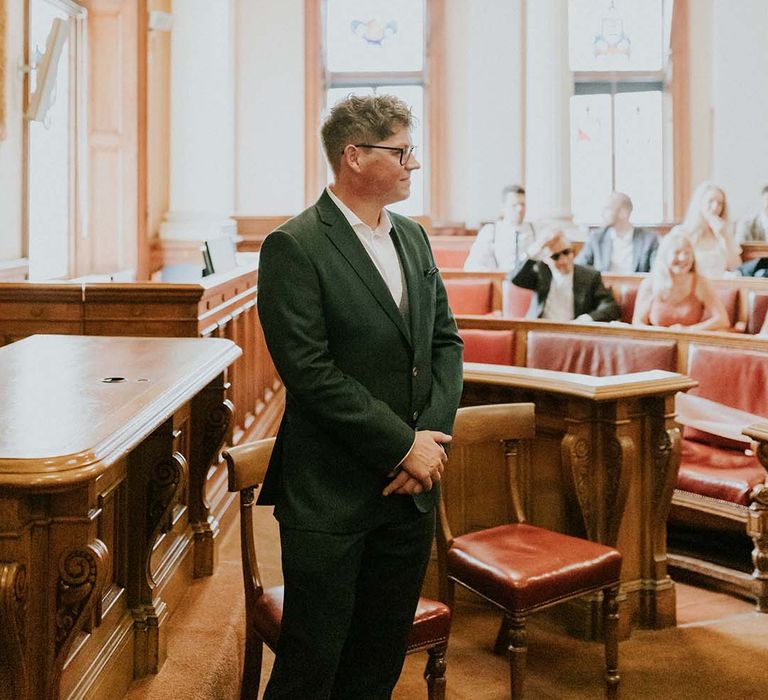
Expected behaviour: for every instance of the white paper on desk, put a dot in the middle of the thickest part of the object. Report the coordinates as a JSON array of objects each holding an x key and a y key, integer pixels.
[{"x": 713, "y": 417}]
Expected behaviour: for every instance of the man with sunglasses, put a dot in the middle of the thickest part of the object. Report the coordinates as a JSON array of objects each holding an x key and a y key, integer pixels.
[
  {"x": 356, "y": 319},
  {"x": 564, "y": 291}
]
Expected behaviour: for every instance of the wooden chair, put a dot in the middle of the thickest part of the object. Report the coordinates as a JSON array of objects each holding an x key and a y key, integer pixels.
[
  {"x": 247, "y": 465},
  {"x": 518, "y": 567}
]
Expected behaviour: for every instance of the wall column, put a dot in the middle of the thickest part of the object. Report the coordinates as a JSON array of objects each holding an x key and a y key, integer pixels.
[
  {"x": 549, "y": 85},
  {"x": 202, "y": 121}
]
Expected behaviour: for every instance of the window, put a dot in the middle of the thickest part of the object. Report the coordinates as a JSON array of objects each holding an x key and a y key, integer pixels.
[
  {"x": 621, "y": 109},
  {"x": 55, "y": 119},
  {"x": 379, "y": 46}
]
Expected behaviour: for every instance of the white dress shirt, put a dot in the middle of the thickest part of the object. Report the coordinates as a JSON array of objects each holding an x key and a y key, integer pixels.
[
  {"x": 495, "y": 245},
  {"x": 621, "y": 252},
  {"x": 559, "y": 303},
  {"x": 378, "y": 244}
]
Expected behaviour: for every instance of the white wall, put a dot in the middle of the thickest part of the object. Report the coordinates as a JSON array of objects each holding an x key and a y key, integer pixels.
[
  {"x": 484, "y": 112},
  {"x": 700, "y": 76},
  {"x": 740, "y": 99},
  {"x": 269, "y": 107},
  {"x": 11, "y": 146}
]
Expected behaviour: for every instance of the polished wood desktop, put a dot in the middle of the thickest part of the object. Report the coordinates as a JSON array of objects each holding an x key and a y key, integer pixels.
[{"x": 105, "y": 446}]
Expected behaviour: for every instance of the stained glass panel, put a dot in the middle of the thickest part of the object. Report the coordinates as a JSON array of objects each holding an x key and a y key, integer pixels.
[
  {"x": 615, "y": 35},
  {"x": 374, "y": 35}
]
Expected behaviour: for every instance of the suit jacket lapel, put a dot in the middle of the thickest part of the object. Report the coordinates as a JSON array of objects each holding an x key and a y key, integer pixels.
[
  {"x": 348, "y": 244},
  {"x": 412, "y": 278},
  {"x": 579, "y": 291}
]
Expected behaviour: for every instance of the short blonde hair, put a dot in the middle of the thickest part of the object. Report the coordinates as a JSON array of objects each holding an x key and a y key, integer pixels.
[
  {"x": 662, "y": 280},
  {"x": 367, "y": 119},
  {"x": 694, "y": 221}
]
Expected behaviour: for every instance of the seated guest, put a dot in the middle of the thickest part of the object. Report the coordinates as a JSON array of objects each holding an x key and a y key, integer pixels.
[
  {"x": 564, "y": 291},
  {"x": 706, "y": 222},
  {"x": 755, "y": 228},
  {"x": 674, "y": 295},
  {"x": 619, "y": 247},
  {"x": 500, "y": 245}
]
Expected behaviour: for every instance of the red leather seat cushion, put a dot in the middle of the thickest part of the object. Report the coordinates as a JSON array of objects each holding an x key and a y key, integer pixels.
[
  {"x": 727, "y": 475},
  {"x": 469, "y": 296},
  {"x": 598, "y": 356},
  {"x": 494, "y": 347},
  {"x": 522, "y": 567},
  {"x": 269, "y": 614},
  {"x": 431, "y": 624},
  {"x": 758, "y": 306}
]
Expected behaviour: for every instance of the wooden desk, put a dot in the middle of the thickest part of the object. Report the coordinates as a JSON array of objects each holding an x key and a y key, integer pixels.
[
  {"x": 102, "y": 520},
  {"x": 603, "y": 466}
]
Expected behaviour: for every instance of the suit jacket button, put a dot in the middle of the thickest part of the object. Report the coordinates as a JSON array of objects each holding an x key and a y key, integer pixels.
[
  {"x": 415, "y": 415},
  {"x": 415, "y": 371}
]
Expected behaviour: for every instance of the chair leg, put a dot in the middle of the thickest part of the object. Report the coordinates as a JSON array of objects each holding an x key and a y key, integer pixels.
[
  {"x": 502, "y": 637},
  {"x": 517, "y": 652},
  {"x": 611, "y": 629},
  {"x": 254, "y": 649},
  {"x": 434, "y": 673}
]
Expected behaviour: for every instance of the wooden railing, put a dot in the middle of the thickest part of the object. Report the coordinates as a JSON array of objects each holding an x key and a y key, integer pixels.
[
  {"x": 105, "y": 504},
  {"x": 222, "y": 306}
]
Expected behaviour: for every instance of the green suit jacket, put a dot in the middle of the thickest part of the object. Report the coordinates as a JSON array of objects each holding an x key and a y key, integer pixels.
[{"x": 359, "y": 379}]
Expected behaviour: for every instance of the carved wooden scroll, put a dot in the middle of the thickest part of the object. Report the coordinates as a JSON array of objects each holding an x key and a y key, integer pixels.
[
  {"x": 757, "y": 528},
  {"x": 13, "y": 602},
  {"x": 82, "y": 573}
]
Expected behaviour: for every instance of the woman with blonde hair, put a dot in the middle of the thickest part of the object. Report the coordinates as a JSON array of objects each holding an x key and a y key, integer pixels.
[
  {"x": 706, "y": 222},
  {"x": 674, "y": 294}
]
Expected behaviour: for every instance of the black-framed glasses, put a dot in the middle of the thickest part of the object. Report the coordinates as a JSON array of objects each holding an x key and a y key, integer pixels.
[
  {"x": 405, "y": 153},
  {"x": 564, "y": 251}
]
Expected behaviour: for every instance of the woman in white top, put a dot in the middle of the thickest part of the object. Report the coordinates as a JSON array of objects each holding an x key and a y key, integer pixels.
[{"x": 706, "y": 222}]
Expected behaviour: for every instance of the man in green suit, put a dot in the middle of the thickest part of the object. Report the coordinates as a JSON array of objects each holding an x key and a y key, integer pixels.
[{"x": 357, "y": 322}]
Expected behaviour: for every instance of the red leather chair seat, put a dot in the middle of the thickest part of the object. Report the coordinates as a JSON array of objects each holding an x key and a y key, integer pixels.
[
  {"x": 523, "y": 566},
  {"x": 494, "y": 347},
  {"x": 596, "y": 356},
  {"x": 469, "y": 296},
  {"x": 269, "y": 614},
  {"x": 431, "y": 624},
  {"x": 727, "y": 475}
]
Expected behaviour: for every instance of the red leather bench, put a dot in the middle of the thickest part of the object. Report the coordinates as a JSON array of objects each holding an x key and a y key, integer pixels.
[
  {"x": 598, "y": 356},
  {"x": 711, "y": 466},
  {"x": 757, "y": 306},
  {"x": 469, "y": 296},
  {"x": 494, "y": 347},
  {"x": 450, "y": 258},
  {"x": 516, "y": 301},
  {"x": 625, "y": 293}
]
